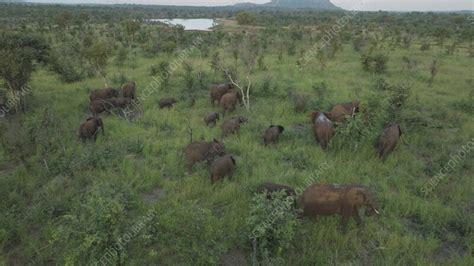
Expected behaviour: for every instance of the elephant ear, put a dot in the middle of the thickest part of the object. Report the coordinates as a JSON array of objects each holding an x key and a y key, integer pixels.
[
  {"x": 328, "y": 115},
  {"x": 313, "y": 115},
  {"x": 399, "y": 130},
  {"x": 362, "y": 195}
]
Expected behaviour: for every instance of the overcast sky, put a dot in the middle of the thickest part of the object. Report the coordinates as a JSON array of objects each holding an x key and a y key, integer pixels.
[{"x": 369, "y": 5}]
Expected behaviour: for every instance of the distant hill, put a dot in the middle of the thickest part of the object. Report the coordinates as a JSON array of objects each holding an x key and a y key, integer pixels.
[
  {"x": 315, "y": 4},
  {"x": 296, "y": 4}
]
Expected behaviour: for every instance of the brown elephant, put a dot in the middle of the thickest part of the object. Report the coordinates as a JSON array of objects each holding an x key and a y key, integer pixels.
[
  {"x": 90, "y": 128},
  {"x": 329, "y": 199},
  {"x": 121, "y": 103},
  {"x": 229, "y": 101},
  {"x": 269, "y": 188},
  {"x": 104, "y": 94},
  {"x": 323, "y": 128},
  {"x": 272, "y": 134},
  {"x": 222, "y": 167},
  {"x": 99, "y": 106},
  {"x": 211, "y": 119},
  {"x": 232, "y": 126},
  {"x": 129, "y": 90},
  {"x": 340, "y": 112},
  {"x": 167, "y": 102},
  {"x": 388, "y": 140},
  {"x": 217, "y": 91},
  {"x": 201, "y": 151}
]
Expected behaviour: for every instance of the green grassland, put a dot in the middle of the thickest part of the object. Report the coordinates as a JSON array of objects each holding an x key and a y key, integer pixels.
[{"x": 68, "y": 202}]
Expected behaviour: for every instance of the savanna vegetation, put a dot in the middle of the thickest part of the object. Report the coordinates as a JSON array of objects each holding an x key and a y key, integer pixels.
[{"x": 128, "y": 198}]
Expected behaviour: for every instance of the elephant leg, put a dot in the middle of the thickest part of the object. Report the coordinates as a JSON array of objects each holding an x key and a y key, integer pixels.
[
  {"x": 346, "y": 214},
  {"x": 356, "y": 216},
  {"x": 344, "y": 221}
]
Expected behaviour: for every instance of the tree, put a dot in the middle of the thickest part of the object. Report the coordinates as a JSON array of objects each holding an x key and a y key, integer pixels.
[
  {"x": 131, "y": 27},
  {"x": 249, "y": 54},
  {"x": 19, "y": 54},
  {"x": 245, "y": 18},
  {"x": 98, "y": 54}
]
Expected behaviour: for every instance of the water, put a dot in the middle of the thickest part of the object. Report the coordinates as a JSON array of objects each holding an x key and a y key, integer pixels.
[{"x": 202, "y": 24}]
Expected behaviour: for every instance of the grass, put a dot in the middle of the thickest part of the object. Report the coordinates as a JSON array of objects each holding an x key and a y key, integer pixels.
[{"x": 69, "y": 183}]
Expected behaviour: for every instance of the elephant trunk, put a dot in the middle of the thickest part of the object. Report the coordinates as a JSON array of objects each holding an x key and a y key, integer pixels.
[{"x": 103, "y": 130}]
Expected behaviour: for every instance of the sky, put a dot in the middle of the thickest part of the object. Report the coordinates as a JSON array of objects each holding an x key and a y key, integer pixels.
[{"x": 366, "y": 5}]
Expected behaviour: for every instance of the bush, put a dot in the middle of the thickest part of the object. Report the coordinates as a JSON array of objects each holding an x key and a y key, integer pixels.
[
  {"x": 425, "y": 45},
  {"x": 96, "y": 225},
  {"x": 186, "y": 234},
  {"x": 271, "y": 226},
  {"x": 299, "y": 100},
  {"x": 376, "y": 64}
]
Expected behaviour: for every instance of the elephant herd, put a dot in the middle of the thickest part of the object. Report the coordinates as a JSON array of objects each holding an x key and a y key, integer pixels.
[
  {"x": 318, "y": 199},
  {"x": 105, "y": 100}
]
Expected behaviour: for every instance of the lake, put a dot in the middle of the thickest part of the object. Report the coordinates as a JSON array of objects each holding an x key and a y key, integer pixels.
[{"x": 202, "y": 24}]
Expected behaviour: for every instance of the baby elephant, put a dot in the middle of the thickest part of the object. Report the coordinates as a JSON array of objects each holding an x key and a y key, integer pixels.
[
  {"x": 269, "y": 188},
  {"x": 211, "y": 118},
  {"x": 90, "y": 128},
  {"x": 221, "y": 167},
  {"x": 232, "y": 126},
  {"x": 329, "y": 199},
  {"x": 272, "y": 134},
  {"x": 167, "y": 102},
  {"x": 201, "y": 151},
  {"x": 389, "y": 140}
]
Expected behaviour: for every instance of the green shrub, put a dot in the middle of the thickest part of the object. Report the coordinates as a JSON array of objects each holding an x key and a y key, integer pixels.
[
  {"x": 271, "y": 227},
  {"x": 376, "y": 64},
  {"x": 186, "y": 234},
  {"x": 95, "y": 225}
]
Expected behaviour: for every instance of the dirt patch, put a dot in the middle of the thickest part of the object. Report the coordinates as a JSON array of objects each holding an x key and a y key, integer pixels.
[
  {"x": 153, "y": 196},
  {"x": 449, "y": 249},
  {"x": 413, "y": 225},
  {"x": 300, "y": 128},
  {"x": 234, "y": 258}
]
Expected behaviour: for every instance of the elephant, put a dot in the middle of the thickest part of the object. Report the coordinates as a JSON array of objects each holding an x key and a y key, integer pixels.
[
  {"x": 232, "y": 126},
  {"x": 272, "y": 134},
  {"x": 167, "y": 102},
  {"x": 121, "y": 103},
  {"x": 340, "y": 112},
  {"x": 323, "y": 128},
  {"x": 90, "y": 128},
  {"x": 99, "y": 106},
  {"x": 269, "y": 188},
  {"x": 211, "y": 118},
  {"x": 129, "y": 90},
  {"x": 201, "y": 151},
  {"x": 104, "y": 94},
  {"x": 329, "y": 199},
  {"x": 217, "y": 91},
  {"x": 222, "y": 167},
  {"x": 229, "y": 101},
  {"x": 388, "y": 140}
]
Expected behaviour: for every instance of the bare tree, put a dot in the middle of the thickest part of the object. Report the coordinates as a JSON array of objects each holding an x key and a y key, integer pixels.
[{"x": 250, "y": 50}]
